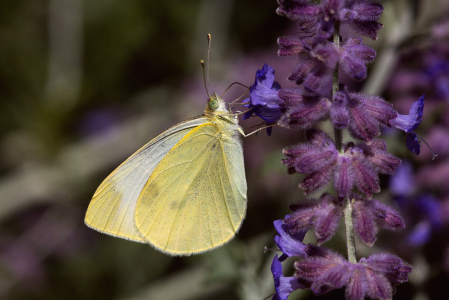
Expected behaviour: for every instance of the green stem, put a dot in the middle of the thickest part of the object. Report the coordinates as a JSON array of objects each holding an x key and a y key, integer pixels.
[
  {"x": 338, "y": 135},
  {"x": 350, "y": 240}
]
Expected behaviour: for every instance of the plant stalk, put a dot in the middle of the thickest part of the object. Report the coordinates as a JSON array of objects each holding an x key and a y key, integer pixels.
[{"x": 338, "y": 135}]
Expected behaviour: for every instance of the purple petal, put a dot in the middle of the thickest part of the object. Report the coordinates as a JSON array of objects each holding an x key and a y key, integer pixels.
[
  {"x": 264, "y": 100},
  {"x": 290, "y": 244},
  {"x": 412, "y": 142},
  {"x": 411, "y": 121},
  {"x": 283, "y": 285}
]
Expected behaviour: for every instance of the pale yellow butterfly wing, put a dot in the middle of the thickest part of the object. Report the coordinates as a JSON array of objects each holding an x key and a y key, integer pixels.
[
  {"x": 195, "y": 200},
  {"x": 112, "y": 208}
]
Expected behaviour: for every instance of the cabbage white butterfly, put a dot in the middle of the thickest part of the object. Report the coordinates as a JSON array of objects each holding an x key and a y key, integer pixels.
[{"x": 184, "y": 192}]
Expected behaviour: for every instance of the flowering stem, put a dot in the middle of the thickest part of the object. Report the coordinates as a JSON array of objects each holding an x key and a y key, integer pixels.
[
  {"x": 338, "y": 134},
  {"x": 350, "y": 240},
  {"x": 335, "y": 86}
]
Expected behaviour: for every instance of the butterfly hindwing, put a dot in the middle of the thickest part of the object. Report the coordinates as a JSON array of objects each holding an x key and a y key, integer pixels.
[
  {"x": 195, "y": 200},
  {"x": 112, "y": 209}
]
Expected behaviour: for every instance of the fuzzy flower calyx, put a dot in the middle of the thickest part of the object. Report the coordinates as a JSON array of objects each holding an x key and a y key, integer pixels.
[
  {"x": 360, "y": 15},
  {"x": 358, "y": 165},
  {"x": 375, "y": 276}
]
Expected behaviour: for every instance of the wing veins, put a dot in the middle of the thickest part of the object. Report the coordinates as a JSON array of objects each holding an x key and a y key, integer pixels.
[
  {"x": 233, "y": 192},
  {"x": 170, "y": 185},
  {"x": 183, "y": 216}
]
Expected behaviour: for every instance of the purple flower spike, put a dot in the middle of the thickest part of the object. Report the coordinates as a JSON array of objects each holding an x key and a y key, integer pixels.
[
  {"x": 264, "y": 100},
  {"x": 290, "y": 244},
  {"x": 409, "y": 122},
  {"x": 283, "y": 285}
]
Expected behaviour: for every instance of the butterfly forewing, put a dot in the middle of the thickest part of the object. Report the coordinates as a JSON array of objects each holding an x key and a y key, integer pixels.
[
  {"x": 112, "y": 209},
  {"x": 195, "y": 200}
]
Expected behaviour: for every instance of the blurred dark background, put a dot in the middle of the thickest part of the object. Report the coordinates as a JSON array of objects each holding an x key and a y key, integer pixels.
[{"x": 83, "y": 84}]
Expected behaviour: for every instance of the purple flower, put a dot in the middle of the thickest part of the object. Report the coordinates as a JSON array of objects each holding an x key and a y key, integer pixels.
[
  {"x": 368, "y": 215},
  {"x": 290, "y": 244},
  {"x": 323, "y": 215},
  {"x": 317, "y": 60},
  {"x": 362, "y": 15},
  {"x": 375, "y": 276},
  {"x": 358, "y": 165},
  {"x": 363, "y": 115},
  {"x": 264, "y": 100},
  {"x": 409, "y": 122},
  {"x": 283, "y": 285},
  {"x": 366, "y": 113}
]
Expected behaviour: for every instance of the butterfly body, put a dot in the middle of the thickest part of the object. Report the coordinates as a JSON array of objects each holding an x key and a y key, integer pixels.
[{"x": 184, "y": 192}]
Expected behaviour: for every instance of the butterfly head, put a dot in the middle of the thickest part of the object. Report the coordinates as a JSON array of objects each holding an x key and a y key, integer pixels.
[{"x": 215, "y": 104}]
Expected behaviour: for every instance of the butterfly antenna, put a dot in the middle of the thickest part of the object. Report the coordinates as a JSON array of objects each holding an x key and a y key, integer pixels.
[
  {"x": 204, "y": 78},
  {"x": 209, "y": 41}
]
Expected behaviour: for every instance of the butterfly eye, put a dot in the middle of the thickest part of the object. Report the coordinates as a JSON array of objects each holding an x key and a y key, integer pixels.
[{"x": 213, "y": 104}]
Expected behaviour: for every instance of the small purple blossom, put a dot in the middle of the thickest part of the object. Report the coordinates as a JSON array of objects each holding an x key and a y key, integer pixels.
[
  {"x": 283, "y": 285},
  {"x": 289, "y": 244},
  {"x": 264, "y": 100},
  {"x": 409, "y": 122}
]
